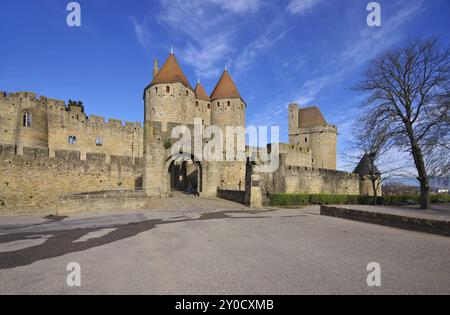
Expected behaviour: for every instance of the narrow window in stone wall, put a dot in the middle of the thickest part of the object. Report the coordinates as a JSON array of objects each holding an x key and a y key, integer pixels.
[
  {"x": 209, "y": 106},
  {"x": 167, "y": 89},
  {"x": 26, "y": 120},
  {"x": 187, "y": 93},
  {"x": 99, "y": 142},
  {"x": 156, "y": 89},
  {"x": 196, "y": 104},
  {"x": 229, "y": 104},
  {"x": 72, "y": 140}
]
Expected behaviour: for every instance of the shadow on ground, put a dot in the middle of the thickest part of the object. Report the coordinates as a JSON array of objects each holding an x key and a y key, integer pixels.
[{"x": 63, "y": 242}]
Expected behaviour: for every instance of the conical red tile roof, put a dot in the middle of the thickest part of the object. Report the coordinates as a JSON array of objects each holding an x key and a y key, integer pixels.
[
  {"x": 171, "y": 72},
  {"x": 225, "y": 88},
  {"x": 201, "y": 93}
]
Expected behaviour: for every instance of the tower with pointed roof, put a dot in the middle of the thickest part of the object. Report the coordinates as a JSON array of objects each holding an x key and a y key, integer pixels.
[
  {"x": 169, "y": 96},
  {"x": 228, "y": 112},
  {"x": 202, "y": 104},
  {"x": 170, "y": 101},
  {"x": 228, "y": 107},
  {"x": 370, "y": 176}
]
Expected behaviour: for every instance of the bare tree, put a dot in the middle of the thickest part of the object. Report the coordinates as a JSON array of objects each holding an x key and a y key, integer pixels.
[
  {"x": 408, "y": 92},
  {"x": 374, "y": 156}
]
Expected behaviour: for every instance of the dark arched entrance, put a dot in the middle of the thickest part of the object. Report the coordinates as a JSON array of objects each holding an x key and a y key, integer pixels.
[{"x": 184, "y": 174}]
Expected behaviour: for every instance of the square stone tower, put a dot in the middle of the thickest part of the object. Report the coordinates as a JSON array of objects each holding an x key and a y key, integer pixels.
[{"x": 308, "y": 128}]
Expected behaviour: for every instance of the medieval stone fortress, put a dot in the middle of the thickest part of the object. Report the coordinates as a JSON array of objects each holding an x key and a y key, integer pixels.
[{"x": 50, "y": 149}]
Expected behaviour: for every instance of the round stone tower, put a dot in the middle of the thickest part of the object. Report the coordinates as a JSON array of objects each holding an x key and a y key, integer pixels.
[
  {"x": 202, "y": 105},
  {"x": 228, "y": 110},
  {"x": 169, "y": 98},
  {"x": 227, "y": 106},
  {"x": 169, "y": 102}
]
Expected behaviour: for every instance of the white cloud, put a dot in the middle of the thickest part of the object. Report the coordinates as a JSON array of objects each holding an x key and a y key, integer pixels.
[
  {"x": 295, "y": 63},
  {"x": 208, "y": 59},
  {"x": 207, "y": 35},
  {"x": 206, "y": 29},
  {"x": 371, "y": 43},
  {"x": 347, "y": 61},
  {"x": 263, "y": 43},
  {"x": 238, "y": 6},
  {"x": 142, "y": 34},
  {"x": 301, "y": 6}
]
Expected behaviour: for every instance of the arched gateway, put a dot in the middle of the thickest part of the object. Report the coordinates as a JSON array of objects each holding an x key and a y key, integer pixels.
[{"x": 183, "y": 173}]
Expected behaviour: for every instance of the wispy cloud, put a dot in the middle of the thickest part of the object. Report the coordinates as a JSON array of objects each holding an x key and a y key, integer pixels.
[
  {"x": 208, "y": 28},
  {"x": 347, "y": 61},
  {"x": 302, "y": 6},
  {"x": 238, "y": 6},
  {"x": 142, "y": 33},
  {"x": 209, "y": 59},
  {"x": 295, "y": 63},
  {"x": 370, "y": 44},
  {"x": 265, "y": 42}
]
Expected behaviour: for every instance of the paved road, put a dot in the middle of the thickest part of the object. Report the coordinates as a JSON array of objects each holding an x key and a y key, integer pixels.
[{"x": 218, "y": 252}]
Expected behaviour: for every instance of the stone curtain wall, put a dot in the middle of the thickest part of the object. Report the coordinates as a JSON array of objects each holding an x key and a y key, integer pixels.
[
  {"x": 53, "y": 122},
  {"x": 320, "y": 181},
  {"x": 306, "y": 180},
  {"x": 296, "y": 155},
  {"x": 34, "y": 182}
]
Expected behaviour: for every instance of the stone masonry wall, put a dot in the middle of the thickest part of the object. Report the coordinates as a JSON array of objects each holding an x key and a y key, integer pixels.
[
  {"x": 34, "y": 182},
  {"x": 296, "y": 155},
  {"x": 322, "y": 140},
  {"x": 53, "y": 122},
  {"x": 306, "y": 180}
]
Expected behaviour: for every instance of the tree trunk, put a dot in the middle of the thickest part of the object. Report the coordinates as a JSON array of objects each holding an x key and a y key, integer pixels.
[
  {"x": 425, "y": 200},
  {"x": 375, "y": 192}
]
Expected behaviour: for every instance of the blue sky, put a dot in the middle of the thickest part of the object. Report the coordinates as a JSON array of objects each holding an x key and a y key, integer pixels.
[{"x": 278, "y": 51}]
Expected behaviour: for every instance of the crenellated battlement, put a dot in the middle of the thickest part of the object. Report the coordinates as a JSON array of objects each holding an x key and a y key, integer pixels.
[
  {"x": 290, "y": 148},
  {"x": 31, "y": 100},
  {"x": 319, "y": 128},
  {"x": 68, "y": 159},
  {"x": 113, "y": 123},
  {"x": 296, "y": 170},
  {"x": 34, "y": 180},
  {"x": 56, "y": 125}
]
